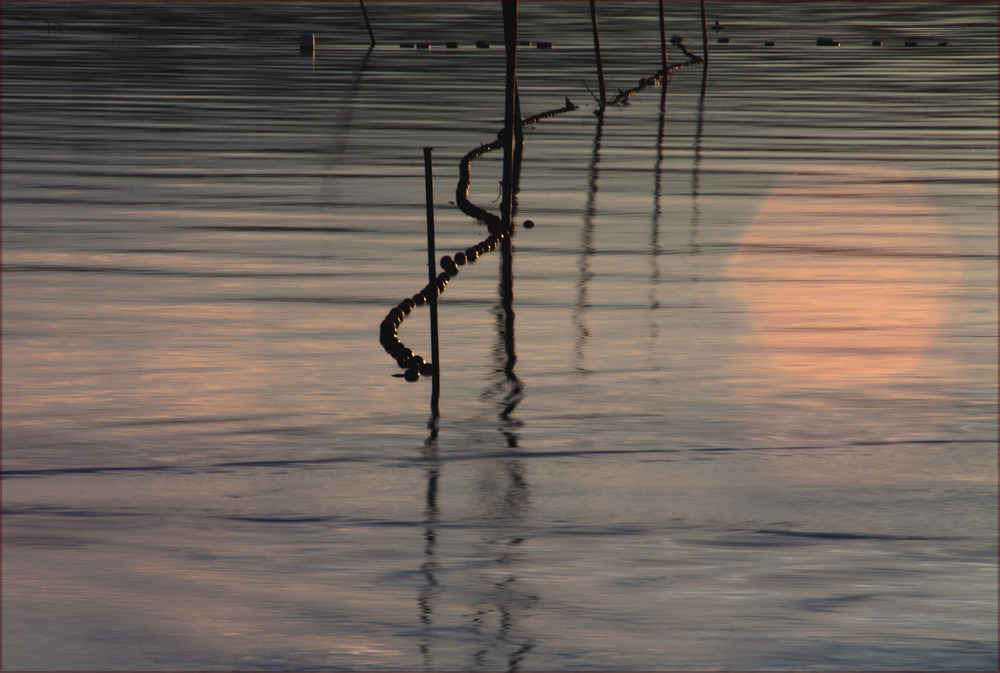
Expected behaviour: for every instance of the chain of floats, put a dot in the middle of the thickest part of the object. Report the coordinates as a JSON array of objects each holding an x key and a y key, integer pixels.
[{"x": 414, "y": 365}]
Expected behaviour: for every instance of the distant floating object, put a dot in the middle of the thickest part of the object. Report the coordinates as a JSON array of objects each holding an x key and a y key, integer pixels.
[
  {"x": 910, "y": 43},
  {"x": 769, "y": 43},
  {"x": 876, "y": 43},
  {"x": 482, "y": 44},
  {"x": 406, "y": 45},
  {"x": 676, "y": 39},
  {"x": 718, "y": 26},
  {"x": 525, "y": 43},
  {"x": 723, "y": 40},
  {"x": 307, "y": 43},
  {"x": 451, "y": 45},
  {"x": 423, "y": 45},
  {"x": 544, "y": 45},
  {"x": 943, "y": 44},
  {"x": 827, "y": 42}
]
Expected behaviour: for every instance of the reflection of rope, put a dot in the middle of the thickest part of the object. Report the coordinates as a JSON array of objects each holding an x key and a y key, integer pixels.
[
  {"x": 415, "y": 365},
  {"x": 622, "y": 96}
]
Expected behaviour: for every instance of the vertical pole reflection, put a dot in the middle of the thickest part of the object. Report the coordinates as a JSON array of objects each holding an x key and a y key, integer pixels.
[
  {"x": 654, "y": 243},
  {"x": 342, "y": 134},
  {"x": 503, "y": 599},
  {"x": 695, "y": 246},
  {"x": 586, "y": 252},
  {"x": 504, "y": 491},
  {"x": 430, "y": 587},
  {"x": 504, "y": 351}
]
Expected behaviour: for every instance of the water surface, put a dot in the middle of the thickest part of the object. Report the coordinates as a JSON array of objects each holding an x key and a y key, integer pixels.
[{"x": 739, "y": 412}]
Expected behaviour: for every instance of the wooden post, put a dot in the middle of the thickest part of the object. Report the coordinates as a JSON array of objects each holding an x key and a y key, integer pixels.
[
  {"x": 368, "y": 23},
  {"x": 512, "y": 120},
  {"x": 432, "y": 276},
  {"x": 704, "y": 33},
  {"x": 597, "y": 53},
  {"x": 663, "y": 41}
]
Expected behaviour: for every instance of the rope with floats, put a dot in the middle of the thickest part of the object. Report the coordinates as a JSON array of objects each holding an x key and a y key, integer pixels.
[{"x": 415, "y": 365}]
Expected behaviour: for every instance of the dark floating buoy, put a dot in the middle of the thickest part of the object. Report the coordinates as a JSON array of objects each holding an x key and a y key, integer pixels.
[
  {"x": 723, "y": 40},
  {"x": 482, "y": 44},
  {"x": 718, "y": 26},
  {"x": 307, "y": 43},
  {"x": 525, "y": 43},
  {"x": 407, "y": 45},
  {"x": 827, "y": 42},
  {"x": 876, "y": 43},
  {"x": 449, "y": 266},
  {"x": 528, "y": 224},
  {"x": 452, "y": 45},
  {"x": 544, "y": 45},
  {"x": 769, "y": 43},
  {"x": 910, "y": 43},
  {"x": 423, "y": 45},
  {"x": 942, "y": 44}
]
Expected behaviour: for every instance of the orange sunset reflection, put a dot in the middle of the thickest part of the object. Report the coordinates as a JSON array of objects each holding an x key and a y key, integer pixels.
[{"x": 846, "y": 275}]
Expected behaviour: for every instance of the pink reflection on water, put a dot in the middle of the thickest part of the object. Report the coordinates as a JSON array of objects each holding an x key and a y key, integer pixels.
[{"x": 846, "y": 275}]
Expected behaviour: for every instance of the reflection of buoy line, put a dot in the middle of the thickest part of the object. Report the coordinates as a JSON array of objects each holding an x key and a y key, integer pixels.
[
  {"x": 415, "y": 365},
  {"x": 622, "y": 96}
]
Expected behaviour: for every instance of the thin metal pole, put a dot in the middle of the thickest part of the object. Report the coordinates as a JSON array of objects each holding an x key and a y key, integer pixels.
[
  {"x": 368, "y": 22},
  {"x": 432, "y": 276},
  {"x": 597, "y": 53},
  {"x": 704, "y": 33},
  {"x": 663, "y": 40}
]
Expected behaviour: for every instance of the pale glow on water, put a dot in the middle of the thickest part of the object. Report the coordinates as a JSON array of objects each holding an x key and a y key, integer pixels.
[
  {"x": 745, "y": 420},
  {"x": 847, "y": 275}
]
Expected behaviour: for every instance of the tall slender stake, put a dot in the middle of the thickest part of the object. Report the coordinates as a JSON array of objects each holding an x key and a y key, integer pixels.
[
  {"x": 597, "y": 53},
  {"x": 432, "y": 276},
  {"x": 704, "y": 33},
  {"x": 663, "y": 40},
  {"x": 512, "y": 120},
  {"x": 368, "y": 23}
]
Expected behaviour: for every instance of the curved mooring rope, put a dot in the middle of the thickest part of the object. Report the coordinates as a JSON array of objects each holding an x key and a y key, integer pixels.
[{"x": 415, "y": 365}]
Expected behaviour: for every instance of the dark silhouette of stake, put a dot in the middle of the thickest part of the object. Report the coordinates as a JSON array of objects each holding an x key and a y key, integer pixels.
[
  {"x": 704, "y": 34},
  {"x": 432, "y": 275},
  {"x": 513, "y": 134},
  {"x": 510, "y": 138},
  {"x": 663, "y": 39},
  {"x": 368, "y": 22},
  {"x": 597, "y": 53}
]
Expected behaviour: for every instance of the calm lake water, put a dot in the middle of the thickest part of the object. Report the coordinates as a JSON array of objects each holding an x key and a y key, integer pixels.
[{"x": 741, "y": 412}]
